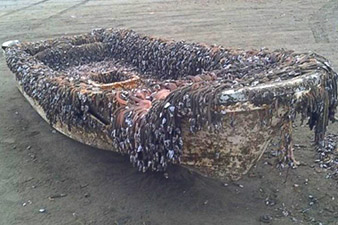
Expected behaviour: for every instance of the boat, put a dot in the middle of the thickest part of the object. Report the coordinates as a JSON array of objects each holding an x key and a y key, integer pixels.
[{"x": 208, "y": 108}]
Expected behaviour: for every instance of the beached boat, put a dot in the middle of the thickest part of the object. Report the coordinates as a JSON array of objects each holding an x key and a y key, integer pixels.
[{"x": 209, "y": 108}]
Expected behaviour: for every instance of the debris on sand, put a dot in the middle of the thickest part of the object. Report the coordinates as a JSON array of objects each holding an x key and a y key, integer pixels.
[
  {"x": 265, "y": 219},
  {"x": 327, "y": 156},
  {"x": 42, "y": 210},
  {"x": 53, "y": 197}
]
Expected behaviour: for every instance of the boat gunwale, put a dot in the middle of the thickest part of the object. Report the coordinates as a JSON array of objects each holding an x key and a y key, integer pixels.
[{"x": 226, "y": 97}]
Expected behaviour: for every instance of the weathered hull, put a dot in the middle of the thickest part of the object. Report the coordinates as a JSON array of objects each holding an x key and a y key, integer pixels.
[
  {"x": 228, "y": 153},
  {"x": 211, "y": 109},
  {"x": 98, "y": 139},
  {"x": 234, "y": 150}
]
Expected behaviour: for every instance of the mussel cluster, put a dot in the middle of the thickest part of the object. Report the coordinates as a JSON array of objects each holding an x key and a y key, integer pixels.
[{"x": 74, "y": 80}]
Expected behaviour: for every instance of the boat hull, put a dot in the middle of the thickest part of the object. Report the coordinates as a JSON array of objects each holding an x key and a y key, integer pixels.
[
  {"x": 98, "y": 139},
  {"x": 230, "y": 152}
]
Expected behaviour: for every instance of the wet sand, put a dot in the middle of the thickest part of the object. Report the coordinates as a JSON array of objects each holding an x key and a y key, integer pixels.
[{"x": 98, "y": 187}]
